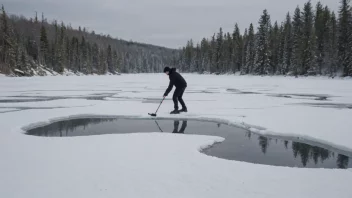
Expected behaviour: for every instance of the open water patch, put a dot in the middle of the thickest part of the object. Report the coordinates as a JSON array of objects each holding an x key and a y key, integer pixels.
[{"x": 239, "y": 144}]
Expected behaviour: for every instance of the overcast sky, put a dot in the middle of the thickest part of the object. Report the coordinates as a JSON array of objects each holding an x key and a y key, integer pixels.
[{"x": 168, "y": 23}]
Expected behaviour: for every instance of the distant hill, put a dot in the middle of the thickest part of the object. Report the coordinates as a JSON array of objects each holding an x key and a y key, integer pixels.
[{"x": 36, "y": 47}]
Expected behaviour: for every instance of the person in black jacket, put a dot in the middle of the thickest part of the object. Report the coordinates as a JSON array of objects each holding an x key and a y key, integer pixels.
[{"x": 180, "y": 84}]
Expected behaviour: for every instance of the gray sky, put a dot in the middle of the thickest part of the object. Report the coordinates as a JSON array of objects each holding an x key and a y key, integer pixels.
[{"x": 167, "y": 23}]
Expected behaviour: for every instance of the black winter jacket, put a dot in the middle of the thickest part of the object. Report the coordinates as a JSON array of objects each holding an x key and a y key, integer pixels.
[{"x": 175, "y": 79}]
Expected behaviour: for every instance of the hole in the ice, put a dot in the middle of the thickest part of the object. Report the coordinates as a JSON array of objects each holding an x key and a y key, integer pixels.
[{"x": 239, "y": 144}]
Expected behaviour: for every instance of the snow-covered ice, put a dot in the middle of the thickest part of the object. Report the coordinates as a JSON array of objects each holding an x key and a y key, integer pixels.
[{"x": 169, "y": 165}]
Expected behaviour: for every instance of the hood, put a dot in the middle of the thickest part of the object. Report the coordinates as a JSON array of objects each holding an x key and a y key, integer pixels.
[{"x": 172, "y": 70}]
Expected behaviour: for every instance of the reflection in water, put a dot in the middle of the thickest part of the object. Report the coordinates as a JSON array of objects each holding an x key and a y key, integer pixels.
[
  {"x": 263, "y": 142},
  {"x": 286, "y": 144},
  {"x": 63, "y": 128},
  {"x": 238, "y": 144},
  {"x": 183, "y": 127},
  {"x": 342, "y": 161}
]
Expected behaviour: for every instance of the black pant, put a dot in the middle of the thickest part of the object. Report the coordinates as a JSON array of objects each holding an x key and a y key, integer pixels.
[{"x": 178, "y": 97}]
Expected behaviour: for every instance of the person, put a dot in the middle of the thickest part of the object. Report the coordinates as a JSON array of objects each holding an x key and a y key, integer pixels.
[{"x": 180, "y": 83}]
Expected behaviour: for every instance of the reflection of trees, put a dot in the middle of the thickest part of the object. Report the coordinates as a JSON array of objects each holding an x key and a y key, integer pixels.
[
  {"x": 316, "y": 155},
  {"x": 264, "y": 143},
  {"x": 286, "y": 144},
  {"x": 342, "y": 161},
  {"x": 62, "y": 128},
  {"x": 307, "y": 152},
  {"x": 304, "y": 151},
  {"x": 248, "y": 134}
]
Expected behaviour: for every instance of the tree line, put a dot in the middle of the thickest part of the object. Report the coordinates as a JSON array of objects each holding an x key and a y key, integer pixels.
[
  {"x": 311, "y": 42},
  {"x": 28, "y": 45}
]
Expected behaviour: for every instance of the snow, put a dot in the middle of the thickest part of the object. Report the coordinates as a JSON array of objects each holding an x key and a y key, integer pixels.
[
  {"x": 19, "y": 71},
  {"x": 169, "y": 165}
]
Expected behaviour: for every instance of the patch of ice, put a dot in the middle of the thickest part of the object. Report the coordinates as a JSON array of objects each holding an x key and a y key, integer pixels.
[{"x": 2, "y": 110}]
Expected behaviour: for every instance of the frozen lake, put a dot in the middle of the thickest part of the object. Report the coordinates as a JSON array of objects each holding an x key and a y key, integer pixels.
[{"x": 304, "y": 122}]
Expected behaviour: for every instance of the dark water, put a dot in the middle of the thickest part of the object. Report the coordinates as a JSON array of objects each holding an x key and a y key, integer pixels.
[{"x": 239, "y": 144}]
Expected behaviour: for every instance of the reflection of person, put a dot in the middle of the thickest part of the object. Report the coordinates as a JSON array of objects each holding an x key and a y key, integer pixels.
[{"x": 183, "y": 127}]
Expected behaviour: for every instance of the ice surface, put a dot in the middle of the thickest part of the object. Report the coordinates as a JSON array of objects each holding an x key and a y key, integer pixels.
[
  {"x": 166, "y": 165},
  {"x": 3, "y": 110}
]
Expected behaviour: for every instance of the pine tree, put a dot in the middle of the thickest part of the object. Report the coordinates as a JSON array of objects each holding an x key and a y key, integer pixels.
[
  {"x": 75, "y": 54},
  {"x": 117, "y": 61},
  {"x": 274, "y": 45},
  {"x": 320, "y": 23},
  {"x": 68, "y": 52},
  {"x": 327, "y": 43},
  {"x": 204, "y": 45},
  {"x": 51, "y": 63},
  {"x": 36, "y": 18},
  {"x": 281, "y": 50},
  {"x": 308, "y": 40},
  {"x": 297, "y": 41},
  {"x": 109, "y": 60},
  {"x": 6, "y": 46},
  {"x": 102, "y": 63},
  {"x": 24, "y": 62},
  {"x": 237, "y": 49},
  {"x": 333, "y": 46},
  {"x": 95, "y": 58},
  {"x": 83, "y": 55},
  {"x": 4, "y": 35},
  {"x": 344, "y": 38},
  {"x": 13, "y": 51},
  {"x": 60, "y": 54},
  {"x": 244, "y": 51},
  {"x": 227, "y": 53},
  {"x": 287, "y": 47},
  {"x": 44, "y": 44},
  {"x": 189, "y": 55},
  {"x": 32, "y": 48},
  {"x": 250, "y": 50},
  {"x": 89, "y": 58},
  {"x": 219, "y": 50},
  {"x": 262, "y": 61},
  {"x": 212, "y": 54},
  {"x": 197, "y": 59}
]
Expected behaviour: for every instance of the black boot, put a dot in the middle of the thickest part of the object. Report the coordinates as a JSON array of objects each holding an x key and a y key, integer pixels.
[
  {"x": 183, "y": 110},
  {"x": 175, "y": 111}
]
